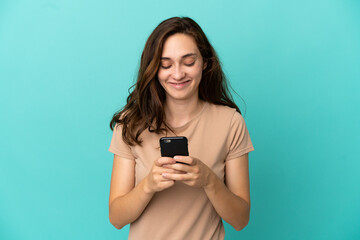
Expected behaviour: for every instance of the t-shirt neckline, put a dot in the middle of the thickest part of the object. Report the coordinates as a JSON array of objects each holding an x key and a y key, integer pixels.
[{"x": 177, "y": 129}]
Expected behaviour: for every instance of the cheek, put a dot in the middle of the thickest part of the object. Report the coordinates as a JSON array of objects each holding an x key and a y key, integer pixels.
[
  {"x": 161, "y": 75},
  {"x": 197, "y": 72}
]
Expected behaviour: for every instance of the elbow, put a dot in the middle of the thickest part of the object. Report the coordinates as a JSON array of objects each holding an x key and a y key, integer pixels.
[
  {"x": 241, "y": 224},
  {"x": 115, "y": 224},
  {"x": 118, "y": 227},
  {"x": 242, "y": 221},
  {"x": 240, "y": 227},
  {"x": 114, "y": 218}
]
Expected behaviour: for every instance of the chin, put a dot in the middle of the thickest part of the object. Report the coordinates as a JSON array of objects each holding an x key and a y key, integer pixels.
[{"x": 181, "y": 96}]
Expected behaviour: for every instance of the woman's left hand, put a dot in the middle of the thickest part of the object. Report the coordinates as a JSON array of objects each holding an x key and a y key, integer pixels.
[{"x": 196, "y": 173}]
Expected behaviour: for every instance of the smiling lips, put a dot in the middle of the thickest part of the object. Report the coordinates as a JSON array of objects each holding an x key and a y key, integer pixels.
[{"x": 180, "y": 85}]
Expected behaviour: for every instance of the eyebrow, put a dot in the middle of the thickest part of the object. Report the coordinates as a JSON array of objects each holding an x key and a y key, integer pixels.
[{"x": 185, "y": 56}]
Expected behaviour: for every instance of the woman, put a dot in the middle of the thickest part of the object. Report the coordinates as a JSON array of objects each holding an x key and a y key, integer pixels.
[{"x": 180, "y": 91}]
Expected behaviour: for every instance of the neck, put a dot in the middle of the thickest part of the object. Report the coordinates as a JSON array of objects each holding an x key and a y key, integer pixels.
[{"x": 179, "y": 112}]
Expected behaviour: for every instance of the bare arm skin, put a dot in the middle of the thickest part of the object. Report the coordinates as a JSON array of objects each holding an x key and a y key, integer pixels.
[
  {"x": 127, "y": 201},
  {"x": 231, "y": 201}
]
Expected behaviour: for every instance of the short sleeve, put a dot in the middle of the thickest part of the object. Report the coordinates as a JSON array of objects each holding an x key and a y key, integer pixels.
[
  {"x": 238, "y": 141},
  {"x": 118, "y": 146}
]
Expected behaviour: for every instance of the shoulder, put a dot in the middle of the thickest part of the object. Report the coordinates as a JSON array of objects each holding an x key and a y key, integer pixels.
[
  {"x": 221, "y": 117},
  {"x": 223, "y": 113}
]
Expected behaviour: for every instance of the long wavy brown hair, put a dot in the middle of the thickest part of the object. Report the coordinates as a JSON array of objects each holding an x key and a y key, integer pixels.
[{"x": 145, "y": 104}]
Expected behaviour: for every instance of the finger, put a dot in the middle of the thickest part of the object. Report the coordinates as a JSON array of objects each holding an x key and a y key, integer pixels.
[
  {"x": 166, "y": 180},
  {"x": 167, "y": 165},
  {"x": 181, "y": 167},
  {"x": 185, "y": 159},
  {"x": 177, "y": 177},
  {"x": 160, "y": 178},
  {"x": 173, "y": 171},
  {"x": 164, "y": 160}
]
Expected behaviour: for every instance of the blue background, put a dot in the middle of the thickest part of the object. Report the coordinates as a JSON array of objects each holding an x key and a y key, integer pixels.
[{"x": 65, "y": 67}]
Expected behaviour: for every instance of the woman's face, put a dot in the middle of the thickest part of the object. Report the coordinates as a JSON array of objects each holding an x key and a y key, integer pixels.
[{"x": 181, "y": 67}]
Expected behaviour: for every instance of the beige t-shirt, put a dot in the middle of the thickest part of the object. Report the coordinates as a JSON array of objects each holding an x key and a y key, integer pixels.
[{"x": 215, "y": 135}]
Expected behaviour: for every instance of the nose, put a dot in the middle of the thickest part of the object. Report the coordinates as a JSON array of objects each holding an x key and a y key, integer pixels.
[{"x": 178, "y": 73}]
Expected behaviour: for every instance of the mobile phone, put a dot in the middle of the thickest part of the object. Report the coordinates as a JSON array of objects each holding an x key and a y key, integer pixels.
[{"x": 172, "y": 146}]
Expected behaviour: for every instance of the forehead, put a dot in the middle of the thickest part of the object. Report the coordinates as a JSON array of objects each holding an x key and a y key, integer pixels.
[{"x": 178, "y": 45}]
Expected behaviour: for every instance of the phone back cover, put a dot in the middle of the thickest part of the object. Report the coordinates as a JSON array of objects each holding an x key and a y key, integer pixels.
[{"x": 177, "y": 146}]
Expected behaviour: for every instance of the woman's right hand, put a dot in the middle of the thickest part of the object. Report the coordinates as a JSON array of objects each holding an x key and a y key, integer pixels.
[{"x": 155, "y": 182}]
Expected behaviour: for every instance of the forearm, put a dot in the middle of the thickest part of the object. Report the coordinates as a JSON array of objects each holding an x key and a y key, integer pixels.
[
  {"x": 126, "y": 209},
  {"x": 231, "y": 208}
]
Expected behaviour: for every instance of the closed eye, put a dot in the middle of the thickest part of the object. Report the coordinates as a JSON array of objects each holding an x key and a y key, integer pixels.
[
  {"x": 190, "y": 64},
  {"x": 166, "y": 67}
]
